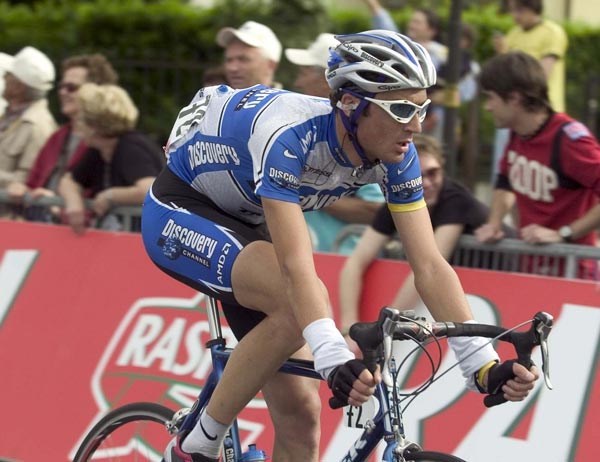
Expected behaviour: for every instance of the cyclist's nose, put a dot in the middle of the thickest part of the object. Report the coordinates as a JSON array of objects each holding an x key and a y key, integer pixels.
[{"x": 414, "y": 125}]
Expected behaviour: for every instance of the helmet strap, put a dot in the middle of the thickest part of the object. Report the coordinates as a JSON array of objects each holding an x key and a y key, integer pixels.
[{"x": 351, "y": 126}]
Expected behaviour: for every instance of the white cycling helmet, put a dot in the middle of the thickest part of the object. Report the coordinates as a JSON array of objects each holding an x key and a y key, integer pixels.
[{"x": 379, "y": 60}]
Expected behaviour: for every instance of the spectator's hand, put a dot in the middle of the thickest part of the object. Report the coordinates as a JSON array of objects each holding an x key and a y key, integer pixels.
[
  {"x": 517, "y": 388},
  {"x": 42, "y": 192},
  {"x": 76, "y": 218},
  {"x": 536, "y": 234},
  {"x": 16, "y": 191},
  {"x": 102, "y": 203},
  {"x": 489, "y": 233}
]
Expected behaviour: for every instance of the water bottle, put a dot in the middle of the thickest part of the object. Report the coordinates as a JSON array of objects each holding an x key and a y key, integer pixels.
[{"x": 254, "y": 455}]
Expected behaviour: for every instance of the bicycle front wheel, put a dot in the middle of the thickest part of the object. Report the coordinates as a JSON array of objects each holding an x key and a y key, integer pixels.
[
  {"x": 134, "y": 432},
  {"x": 429, "y": 456}
]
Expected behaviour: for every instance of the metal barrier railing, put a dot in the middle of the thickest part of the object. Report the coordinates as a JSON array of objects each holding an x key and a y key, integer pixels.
[
  {"x": 129, "y": 216},
  {"x": 561, "y": 260}
]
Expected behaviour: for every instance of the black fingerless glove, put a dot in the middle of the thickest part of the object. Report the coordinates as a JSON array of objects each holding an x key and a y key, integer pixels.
[{"x": 340, "y": 382}]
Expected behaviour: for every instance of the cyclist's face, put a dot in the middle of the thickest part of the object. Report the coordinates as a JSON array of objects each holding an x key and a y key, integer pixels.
[
  {"x": 433, "y": 177},
  {"x": 246, "y": 66},
  {"x": 381, "y": 136},
  {"x": 311, "y": 81}
]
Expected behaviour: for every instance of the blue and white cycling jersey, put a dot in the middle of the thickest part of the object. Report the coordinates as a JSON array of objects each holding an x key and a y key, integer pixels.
[{"x": 236, "y": 146}]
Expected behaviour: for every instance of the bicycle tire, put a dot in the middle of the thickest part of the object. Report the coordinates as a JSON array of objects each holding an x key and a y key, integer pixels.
[
  {"x": 431, "y": 456},
  {"x": 136, "y": 417}
]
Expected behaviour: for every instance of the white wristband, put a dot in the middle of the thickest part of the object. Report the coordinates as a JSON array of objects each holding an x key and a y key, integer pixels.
[
  {"x": 471, "y": 358},
  {"x": 327, "y": 346}
]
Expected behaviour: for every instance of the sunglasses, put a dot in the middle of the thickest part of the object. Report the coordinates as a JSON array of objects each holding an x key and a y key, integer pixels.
[
  {"x": 68, "y": 87},
  {"x": 402, "y": 110}
]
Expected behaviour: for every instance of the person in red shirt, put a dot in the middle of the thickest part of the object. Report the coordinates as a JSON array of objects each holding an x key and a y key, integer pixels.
[
  {"x": 65, "y": 147},
  {"x": 551, "y": 166}
]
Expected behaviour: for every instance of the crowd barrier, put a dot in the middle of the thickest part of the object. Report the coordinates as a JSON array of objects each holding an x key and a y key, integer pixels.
[
  {"x": 88, "y": 323},
  {"x": 558, "y": 260},
  {"x": 129, "y": 217}
]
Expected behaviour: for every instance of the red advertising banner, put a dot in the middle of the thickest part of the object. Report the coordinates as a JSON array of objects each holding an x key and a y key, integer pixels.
[{"x": 87, "y": 323}]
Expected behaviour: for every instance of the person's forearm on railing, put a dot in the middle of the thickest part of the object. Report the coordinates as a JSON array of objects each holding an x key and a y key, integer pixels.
[
  {"x": 74, "y": 207},
  {"x": 502, "y": 202}
]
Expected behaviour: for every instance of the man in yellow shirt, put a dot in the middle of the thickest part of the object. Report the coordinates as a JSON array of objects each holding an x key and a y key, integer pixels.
[{"x": 543, "y": 39}]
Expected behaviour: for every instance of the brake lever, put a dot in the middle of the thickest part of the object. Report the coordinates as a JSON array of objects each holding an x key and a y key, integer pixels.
[
  {"x": 388, "y": 332},
  {"x": 543, "y": 327}
]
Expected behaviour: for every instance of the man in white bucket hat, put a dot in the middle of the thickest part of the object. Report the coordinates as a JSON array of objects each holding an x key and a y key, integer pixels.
[
  {"x": 252, "y": 54},
  {"x": 27, "y": 122}
]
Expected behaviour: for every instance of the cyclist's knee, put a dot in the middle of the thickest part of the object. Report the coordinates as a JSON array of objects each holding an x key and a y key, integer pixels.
[
  {"x": 298, "y": 408},
  {"x": 300, "y": 423}
]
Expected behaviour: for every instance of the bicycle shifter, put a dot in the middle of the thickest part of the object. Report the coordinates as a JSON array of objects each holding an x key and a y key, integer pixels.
[{"x": 543, "y": 327}]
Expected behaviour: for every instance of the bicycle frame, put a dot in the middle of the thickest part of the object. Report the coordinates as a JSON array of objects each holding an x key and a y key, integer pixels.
[{"x": 387, "y": 424}]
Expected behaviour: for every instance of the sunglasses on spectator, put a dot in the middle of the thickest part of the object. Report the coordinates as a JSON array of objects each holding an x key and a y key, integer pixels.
[
  {"x": 68, "y": 87},
  {"x": 402, "y": 110}
]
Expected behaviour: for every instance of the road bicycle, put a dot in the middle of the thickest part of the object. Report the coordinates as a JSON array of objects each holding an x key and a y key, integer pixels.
[{"x": 150, "y": 426}]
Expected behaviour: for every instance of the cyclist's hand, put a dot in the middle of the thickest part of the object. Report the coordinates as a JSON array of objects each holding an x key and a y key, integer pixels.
[
  {"x": 352, "y": 383},
  {"x": 354, "y": 348},
  {"x": 512, "y": 380}
]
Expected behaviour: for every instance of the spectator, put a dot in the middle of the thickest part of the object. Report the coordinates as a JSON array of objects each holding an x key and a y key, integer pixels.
[
  {"x": 252, "y": 54},
  {"x": 551, "y": 166},
  {"x": 547, "y": 42},
  {"x": 469, "y": 68},
  {"x": 453, "y": 211},
  {"x": 5, "y": 61},
  {"x": 27, "y": 122},
  {"x": 120, "y": 165},
  {"x": 214, "y": 75},
  {"x": 312, "y": 63},
  {"x": 541, "y": 38},
  {"x": 425, "y": 28},
  {"x": 64, "y": 148},
  {"x": 324, "y": 225},
  {"x": 380, "y": 17}
]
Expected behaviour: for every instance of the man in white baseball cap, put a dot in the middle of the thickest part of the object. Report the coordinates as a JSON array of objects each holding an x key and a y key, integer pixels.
[
  {"x": 325, "y": 224},
  {"x": 5, "y": 61},
  {"x": 27, "y": 122},
  {"x": 312, "y": 62},
  {"x": 252, "y": 54}
]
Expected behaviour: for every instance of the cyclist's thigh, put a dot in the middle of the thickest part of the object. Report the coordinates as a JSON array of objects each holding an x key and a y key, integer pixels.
[{"x": 195, "y": 243}]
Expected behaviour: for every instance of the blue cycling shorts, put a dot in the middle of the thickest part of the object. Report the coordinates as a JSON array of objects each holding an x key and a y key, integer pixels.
[{"x": 192, "y": 240}]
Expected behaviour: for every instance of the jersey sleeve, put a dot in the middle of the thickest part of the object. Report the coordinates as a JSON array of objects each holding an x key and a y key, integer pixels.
[
  {"x": 580, "y": 156},
  {"x": 403, "y": 185},
  {"x": 278, "y": 175}
]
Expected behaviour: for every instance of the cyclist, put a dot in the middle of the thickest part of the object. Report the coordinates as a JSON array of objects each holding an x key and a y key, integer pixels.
[{"x": 225, "y": 217}]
